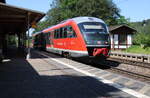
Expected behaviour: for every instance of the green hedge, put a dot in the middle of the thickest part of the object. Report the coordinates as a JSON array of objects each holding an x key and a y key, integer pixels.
[{"x": 138, "y": 49}]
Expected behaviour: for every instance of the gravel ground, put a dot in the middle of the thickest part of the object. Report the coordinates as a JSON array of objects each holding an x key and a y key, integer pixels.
[{"x": 135, "y": 69}]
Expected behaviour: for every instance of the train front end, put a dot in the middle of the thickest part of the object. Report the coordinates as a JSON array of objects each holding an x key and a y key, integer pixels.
[{"x": 96, "y": 36}]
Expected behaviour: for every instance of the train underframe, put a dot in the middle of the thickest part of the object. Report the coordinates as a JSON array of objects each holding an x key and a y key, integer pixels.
[{"x": 93, "y": 54}]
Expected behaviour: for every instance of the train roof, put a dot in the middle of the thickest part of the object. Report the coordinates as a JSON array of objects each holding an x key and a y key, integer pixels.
[
  {"x": 77, "y": 20},
  {"x": 86, "y": 19}
]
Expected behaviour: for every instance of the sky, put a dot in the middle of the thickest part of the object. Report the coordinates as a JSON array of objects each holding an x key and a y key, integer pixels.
[{"x": 135, "y": 10}]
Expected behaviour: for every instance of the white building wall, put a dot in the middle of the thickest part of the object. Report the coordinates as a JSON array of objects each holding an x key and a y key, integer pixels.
[
  {"x": 115, "y": 41},
  {"x": 115, "y": 38},
  {"x": 122, "y": 46},
  {"x": 111, "y": 40},
  {"x": 129, "y": 38}
]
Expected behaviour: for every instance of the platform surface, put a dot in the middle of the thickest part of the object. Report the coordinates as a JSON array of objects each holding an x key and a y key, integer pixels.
[{"x": 44, "y": 77}]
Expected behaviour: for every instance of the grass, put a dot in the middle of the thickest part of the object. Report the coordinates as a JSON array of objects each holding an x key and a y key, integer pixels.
[{"x": 138, "y": 49}]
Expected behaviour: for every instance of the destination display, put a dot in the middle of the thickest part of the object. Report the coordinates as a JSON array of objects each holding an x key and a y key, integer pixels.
[{"x": 93, "y": 27}]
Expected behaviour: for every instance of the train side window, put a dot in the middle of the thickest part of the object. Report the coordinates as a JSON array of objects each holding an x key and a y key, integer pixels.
[
  {"x": 56, "y": 34},
  {"x": 35, "y": 39},
  {"x": 61, "y": 33},
  {"x": 65, "y": 32},
  {"x": 47, "y": 36},
  {"x": 70, "y": 32}
]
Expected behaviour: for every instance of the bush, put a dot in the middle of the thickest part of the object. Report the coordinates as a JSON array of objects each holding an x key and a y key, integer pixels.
[
  {"x": 138, "y": 49},
  {"x": 142, "y": 39},
  {"x": 12, "y": 40}
]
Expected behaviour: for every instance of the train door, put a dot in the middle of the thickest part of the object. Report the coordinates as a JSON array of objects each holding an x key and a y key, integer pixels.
[
  {"x": 51, "y": 39},
  {"x": 72, "y": 40},
  {"x": 71, "y": 35},
  {"x": 66, "y": 40},
  {"x": 47, "y": 40}
]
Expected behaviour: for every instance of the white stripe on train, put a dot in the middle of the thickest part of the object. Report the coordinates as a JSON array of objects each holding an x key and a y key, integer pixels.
[{"x": 66, "y": 50}]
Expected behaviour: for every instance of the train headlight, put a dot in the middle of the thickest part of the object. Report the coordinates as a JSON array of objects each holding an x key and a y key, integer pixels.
[{"x": 105, "y": 42}]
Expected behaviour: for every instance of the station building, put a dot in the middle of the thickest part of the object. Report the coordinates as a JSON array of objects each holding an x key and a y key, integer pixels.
[
  {"x": 121, "y": 36},
  {"x": 16, "y": 21}
]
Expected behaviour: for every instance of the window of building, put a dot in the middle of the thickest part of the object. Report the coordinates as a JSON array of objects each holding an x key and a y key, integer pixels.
[{"x": 122, "y": 39}]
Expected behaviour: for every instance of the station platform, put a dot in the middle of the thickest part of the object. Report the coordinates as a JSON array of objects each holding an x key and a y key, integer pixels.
[{"x": 44, "y": 76}]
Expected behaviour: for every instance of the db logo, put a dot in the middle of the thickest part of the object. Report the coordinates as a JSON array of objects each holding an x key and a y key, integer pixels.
[{"x": 98, "y": 42}]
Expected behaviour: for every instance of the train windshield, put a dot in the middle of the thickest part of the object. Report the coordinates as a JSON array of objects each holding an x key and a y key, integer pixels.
[{"x": 94, "y": 32}]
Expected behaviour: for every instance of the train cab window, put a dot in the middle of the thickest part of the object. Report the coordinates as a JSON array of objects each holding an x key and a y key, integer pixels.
[{"x": 70, "y": 32}]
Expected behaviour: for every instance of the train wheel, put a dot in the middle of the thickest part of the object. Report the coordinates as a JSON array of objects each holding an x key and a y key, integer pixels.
[
  {"x": 66, "y": 55},
  {"x": 63, "y": 54}
]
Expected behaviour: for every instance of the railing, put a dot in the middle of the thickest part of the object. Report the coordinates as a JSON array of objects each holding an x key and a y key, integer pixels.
[{"x": 130, "y": 56}]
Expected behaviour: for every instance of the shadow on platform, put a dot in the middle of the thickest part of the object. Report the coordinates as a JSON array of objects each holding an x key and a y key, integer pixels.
[{"x": 18, "y": 79}]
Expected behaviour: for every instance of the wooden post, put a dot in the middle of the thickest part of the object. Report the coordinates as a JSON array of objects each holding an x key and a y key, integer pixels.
[
  {"x": 148, "y": 59},
  {"x": 142, "y": 58},
  {"x": 28, "y": 35},
  {"x": 19, "y": 40}
]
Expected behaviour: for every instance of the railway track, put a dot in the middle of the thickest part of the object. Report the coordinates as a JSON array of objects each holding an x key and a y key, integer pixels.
[
  {"x": 131, "y": 74},
  {"x": 113, "y": 65},
  {"x": 134, "y": 63},
  {"x": 128, "y": 73}
]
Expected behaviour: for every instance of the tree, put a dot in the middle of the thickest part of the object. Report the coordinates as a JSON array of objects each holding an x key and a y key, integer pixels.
[
  {"x": 104, "y": 9},
  {"x": 65, "y": 9},
  {"x": 142, "y": 36},
  {"x": 122, "y": 20},
  {"x": 40, "y": 26}
]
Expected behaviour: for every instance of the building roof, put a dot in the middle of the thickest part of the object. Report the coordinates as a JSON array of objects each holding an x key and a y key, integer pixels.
[
  {"x": 122, "y": 27},
  {"x": 3, "y": 1},
  {"x": 14, "y": 19}
]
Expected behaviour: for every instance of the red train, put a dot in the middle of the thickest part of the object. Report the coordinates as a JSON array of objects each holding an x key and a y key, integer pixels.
[{"x": 76, "y": 37}]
